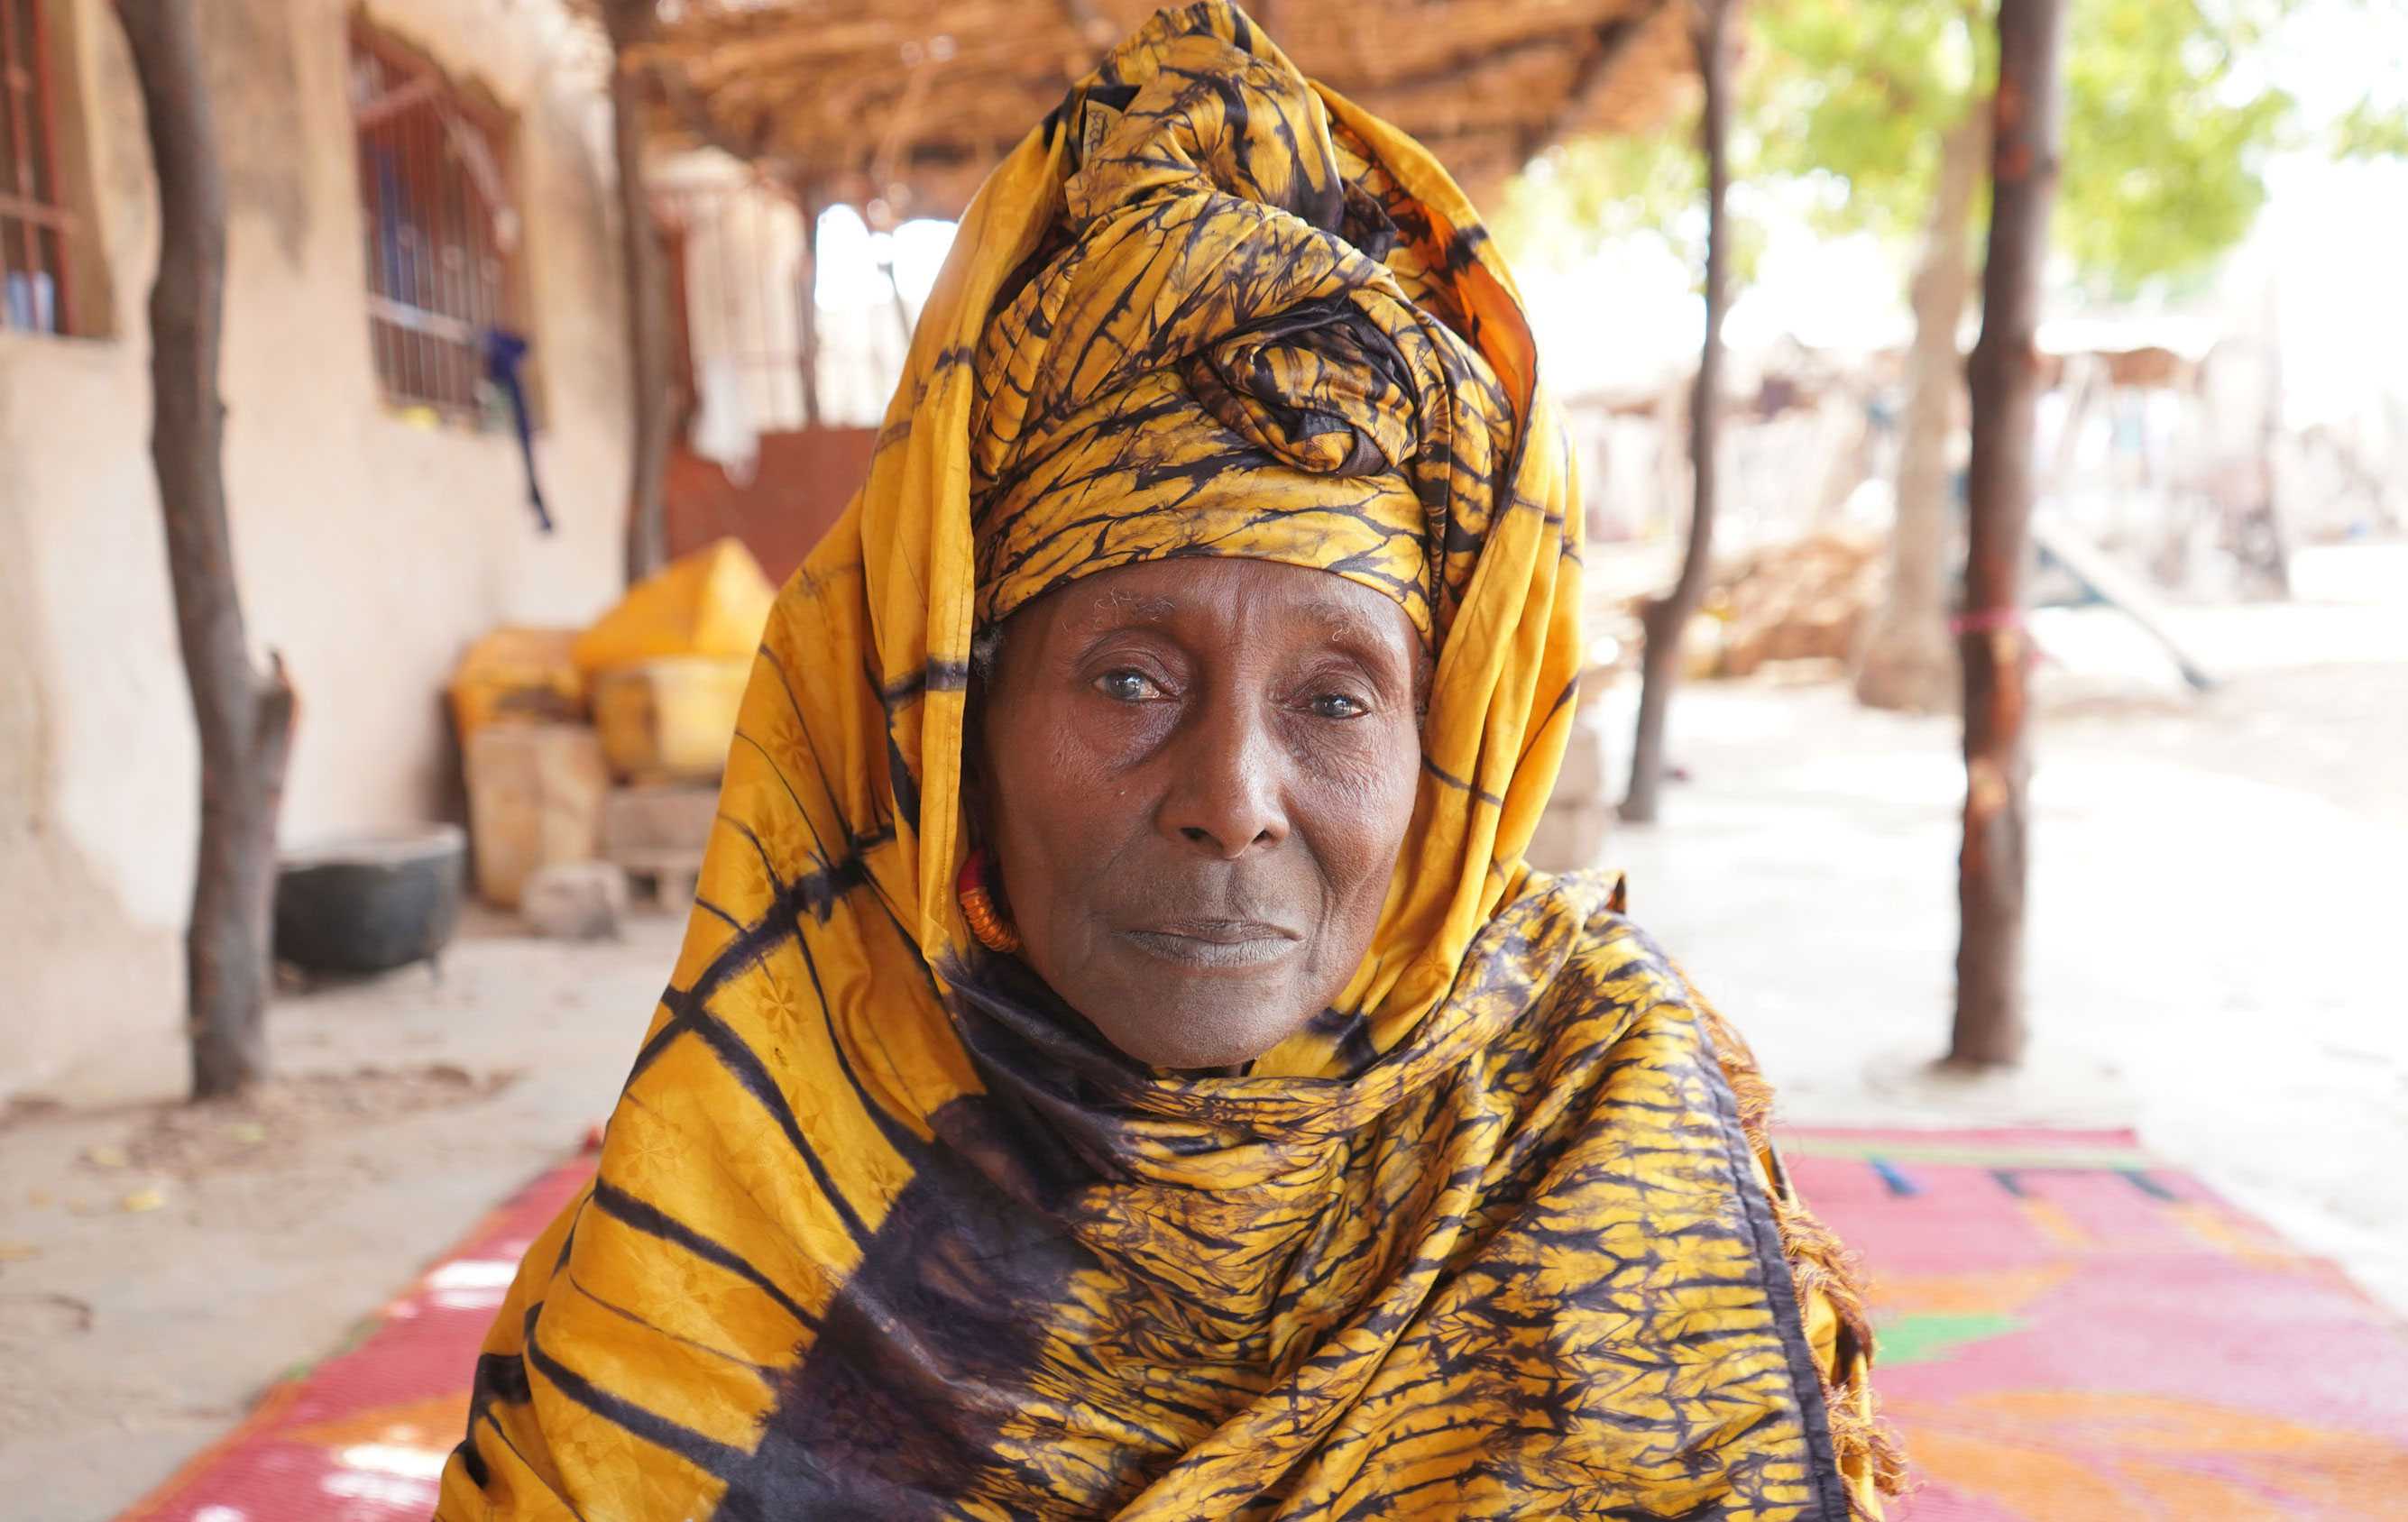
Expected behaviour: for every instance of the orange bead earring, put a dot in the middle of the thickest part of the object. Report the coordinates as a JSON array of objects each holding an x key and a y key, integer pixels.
[{"x": 986, "y": 920}]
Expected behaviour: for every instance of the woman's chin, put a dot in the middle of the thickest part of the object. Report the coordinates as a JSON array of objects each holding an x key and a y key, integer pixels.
[
  {"x": 1221, "y": 1025},
  {"x": 1188, "y": 1002}
]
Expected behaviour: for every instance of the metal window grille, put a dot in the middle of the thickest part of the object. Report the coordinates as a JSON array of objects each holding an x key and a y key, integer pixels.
[
  {"x": 439, "y": 225},
  {"x": 36, "y": 290}
]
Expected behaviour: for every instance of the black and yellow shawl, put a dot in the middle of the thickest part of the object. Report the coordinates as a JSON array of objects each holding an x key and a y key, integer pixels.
[{"x": 881, "y": 1231}]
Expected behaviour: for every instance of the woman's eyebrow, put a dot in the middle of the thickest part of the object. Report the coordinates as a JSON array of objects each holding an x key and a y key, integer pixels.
[
  {"x": 1133, "y": 607},
  {"x": 1345, "y": 624}
]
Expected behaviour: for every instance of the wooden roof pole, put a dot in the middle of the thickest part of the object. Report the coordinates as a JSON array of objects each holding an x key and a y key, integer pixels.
[
  {"x": 1991, "y": 871},
  {"x": 630, "y": 23},
  {"x": 811, "y": 202},
  {"x": 1666, "y": 618}
]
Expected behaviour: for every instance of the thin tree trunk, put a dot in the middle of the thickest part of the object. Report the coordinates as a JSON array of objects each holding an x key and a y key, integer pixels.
[
  {"x": 2277, "y": 544},
  {"x": 243, "y": 716},
  {"x": 1907, "y": 661},
  {"x": 808, "y": 305},
  {"x": 1667, "y": 617},
  {"x": 629, "y": 22},
  {"x": 1991, "y": 872}
]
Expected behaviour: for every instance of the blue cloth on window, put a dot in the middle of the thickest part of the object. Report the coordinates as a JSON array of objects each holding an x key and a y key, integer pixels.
[{"x": 504, "y": 351}]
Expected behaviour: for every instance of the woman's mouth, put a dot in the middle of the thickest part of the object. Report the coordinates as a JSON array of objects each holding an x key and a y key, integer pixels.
[{"x": 1214, "y": 944}]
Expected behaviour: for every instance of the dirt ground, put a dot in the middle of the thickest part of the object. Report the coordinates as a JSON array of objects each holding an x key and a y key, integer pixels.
[
  {"x": 2214, "y": 899},
  {"x": 161, "y": 1264},
  {"x": 2214, "y": 904}
]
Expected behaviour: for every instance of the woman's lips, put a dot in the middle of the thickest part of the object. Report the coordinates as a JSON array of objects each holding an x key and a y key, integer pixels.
[{"x": 1208, "y": 943}]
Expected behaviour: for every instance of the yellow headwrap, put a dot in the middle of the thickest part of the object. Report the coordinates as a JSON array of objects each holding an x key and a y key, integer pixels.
[
  {"x": 1216, "y": 360},
  {"x": 877, "y": 1234}
]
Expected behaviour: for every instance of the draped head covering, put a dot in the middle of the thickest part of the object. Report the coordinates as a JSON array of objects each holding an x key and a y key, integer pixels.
[
  {"x": 1216, "y": 360},
  {"x": 881, "y": 1230}
]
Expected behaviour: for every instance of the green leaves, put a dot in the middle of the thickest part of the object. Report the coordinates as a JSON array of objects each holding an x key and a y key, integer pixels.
[
  {"x": 1862, "y": 91},
  {"x": 1597, "y": 190},
  {"x": 1601, "y": 190},
  {"x": 2170, "y": 115},
  {"x": 2371, "y": 130},
  {"x": 2166, "y": 131}
]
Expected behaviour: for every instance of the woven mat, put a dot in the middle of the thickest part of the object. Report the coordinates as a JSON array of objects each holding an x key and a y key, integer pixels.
[{"x": 2071, "y": 1331}]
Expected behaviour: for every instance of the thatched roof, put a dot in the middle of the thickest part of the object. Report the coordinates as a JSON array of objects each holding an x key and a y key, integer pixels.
[{"x": 903, "y": 105}]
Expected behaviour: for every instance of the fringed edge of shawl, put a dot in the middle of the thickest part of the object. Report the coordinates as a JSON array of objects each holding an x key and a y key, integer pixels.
[{"x": 1821, "y": 1266}]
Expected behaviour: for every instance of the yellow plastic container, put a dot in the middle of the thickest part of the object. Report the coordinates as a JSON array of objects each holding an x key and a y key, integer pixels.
[
  {"x": 670, "y": 719},
  {"x": 713, "y": 601},
  {"x": 518, "y": 673}
]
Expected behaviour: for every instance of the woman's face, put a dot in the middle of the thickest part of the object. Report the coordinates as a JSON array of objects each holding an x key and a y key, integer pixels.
[{"x": 1195, "y": 777}]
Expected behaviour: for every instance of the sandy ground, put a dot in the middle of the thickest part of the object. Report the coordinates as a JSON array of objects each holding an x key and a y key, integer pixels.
[
  {"x": 2215, "y": 897},
  {"x": 161, "y": 1264}
]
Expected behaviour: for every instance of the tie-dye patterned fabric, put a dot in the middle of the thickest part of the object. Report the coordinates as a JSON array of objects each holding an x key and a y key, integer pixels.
[
  {"x": 1217, "y": 333},
  {"x": 882, "y": 1231}
]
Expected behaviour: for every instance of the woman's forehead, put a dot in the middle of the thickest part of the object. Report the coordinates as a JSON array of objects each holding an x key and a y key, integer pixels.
[{"x": 1213, "y": 590}]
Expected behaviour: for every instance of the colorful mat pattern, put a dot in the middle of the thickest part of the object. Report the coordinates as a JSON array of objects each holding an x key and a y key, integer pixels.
[{"x": 2072, "y": 1332}]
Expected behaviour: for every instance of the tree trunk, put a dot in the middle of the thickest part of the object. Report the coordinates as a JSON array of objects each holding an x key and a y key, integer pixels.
[
  {"x": 1667, "y": 617},
  {"x": 628, "y": 23},
  {"x": 1907, "y": 661},
  {"x": 806, "y": 312},
  {"x": 1989, "y": 1027},
  {"x": 2273, "y": 540},
  {"x": 243, "y": 717}
]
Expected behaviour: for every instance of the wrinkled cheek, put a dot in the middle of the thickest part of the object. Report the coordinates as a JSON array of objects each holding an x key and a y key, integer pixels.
[
  {"x": 1381, "y": 795},
  {"x": 1382, "y": 810},
  {"x": 1060, "y": 928},
  {"x": 1070, "y": 941}
]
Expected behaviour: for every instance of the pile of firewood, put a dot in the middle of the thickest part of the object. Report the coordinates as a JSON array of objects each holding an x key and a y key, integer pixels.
[{"x": 1807, "y": 600}]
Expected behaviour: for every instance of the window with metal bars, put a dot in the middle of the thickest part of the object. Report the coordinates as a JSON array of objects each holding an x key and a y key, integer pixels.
[
  {"x": 36, "y": 286},
  {"x": 441, "y": 224}
]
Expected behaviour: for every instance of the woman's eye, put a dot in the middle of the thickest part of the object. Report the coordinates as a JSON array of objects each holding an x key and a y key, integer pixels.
[
  {"x": 1125, "y": 686},
  {"x": 1339, "y": 705}
]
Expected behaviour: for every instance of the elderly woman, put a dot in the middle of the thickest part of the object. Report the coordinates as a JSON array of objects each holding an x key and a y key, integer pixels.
[{"x": 1119, "y": 1065}]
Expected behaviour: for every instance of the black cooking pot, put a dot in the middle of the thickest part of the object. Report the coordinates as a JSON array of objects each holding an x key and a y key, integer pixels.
[{"x": 370, "y": 903}]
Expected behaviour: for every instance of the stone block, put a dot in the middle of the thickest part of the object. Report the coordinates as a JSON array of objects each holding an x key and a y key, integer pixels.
[
  {"x": 651, "y": 821},
  {"x": 575, "y": 901}
]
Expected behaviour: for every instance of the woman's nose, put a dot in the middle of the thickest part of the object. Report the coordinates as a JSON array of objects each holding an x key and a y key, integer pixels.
[{"x": 1227, "y": 797}]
